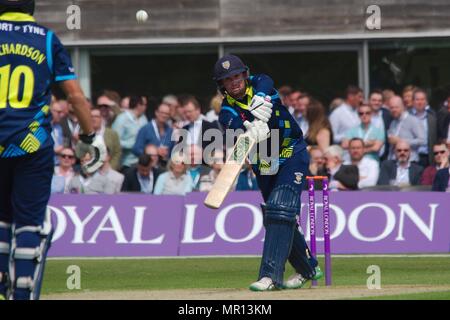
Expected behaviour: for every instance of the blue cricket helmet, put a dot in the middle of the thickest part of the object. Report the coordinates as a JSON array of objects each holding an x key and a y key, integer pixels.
[
  {"x": 26, "y": 6},
  {"x": 228, "y": 66}
]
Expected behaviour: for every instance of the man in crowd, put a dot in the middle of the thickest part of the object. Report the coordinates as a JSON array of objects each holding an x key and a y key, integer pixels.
[
  {"x": 114, "y": 177},
  {"x": 368, "y": 167},
  {"x": 157, "y": 132},
  {"x": 142, "y": 177},
  {"x": 400, "y": 172},
  {"x": 406, "y": 127},
  {"x": 372, "y": 137},
  {"x": 127, "y": 126},
  {"x": 381, "y": 118},
  {"x": 408, "y": 97},
  {"x": 345, "y": 116},
  {"x": 108, "y": 102},
  {"x": 110, "y": 137},
  {"x": 441, "y": 161},
  {"x": 427, "y": 117},
  {"x": 342, "y": 177},
  {"x": 300, "y": 103}
]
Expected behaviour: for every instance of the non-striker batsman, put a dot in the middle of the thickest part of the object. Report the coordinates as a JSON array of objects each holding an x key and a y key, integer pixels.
[
  {"x": 31, "y": 60},
  {"x": 251, "y": 103}
]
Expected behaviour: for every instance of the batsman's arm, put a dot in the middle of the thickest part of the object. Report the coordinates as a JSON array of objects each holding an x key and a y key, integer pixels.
[{"x": 76, "y": 98}]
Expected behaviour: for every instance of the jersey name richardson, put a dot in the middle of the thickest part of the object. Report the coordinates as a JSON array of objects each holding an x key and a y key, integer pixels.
[{"x": 22, "y": 50}]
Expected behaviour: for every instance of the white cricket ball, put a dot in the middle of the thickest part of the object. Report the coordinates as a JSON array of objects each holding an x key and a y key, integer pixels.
[{"x": 141, "y": 16}]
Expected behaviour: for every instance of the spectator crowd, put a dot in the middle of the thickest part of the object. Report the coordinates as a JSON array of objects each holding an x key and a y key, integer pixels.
[{"x": 389, "y": 142}]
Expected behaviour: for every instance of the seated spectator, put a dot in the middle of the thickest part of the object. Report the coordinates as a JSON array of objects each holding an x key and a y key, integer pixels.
[
  {"x": 215, "y": 105},
  {"x": 114, "y": 177},
  {"x": 443, "y": 122},
  {"x": 342, "y": 177},
  {"x": 111, "y": 138},
  {"x": 157, "y": 132},
  {"x": 404, "y": 126},
  {"x": 196, "y": 168},
  {"x": 108, "y": 103},
  {"x": 65, "y": 169},
  {"x": 176, "y": 180},
  {"x": 372, "y": 136},
  {"x": 141, "y": 177},
  {"x": 207, "y": 179},
  {"x": 319, "y": 128},
  {"x": 157, "y": 162},
  {"x": 368, "y": 168},
  {"x": 317, "y": 160},
  {"x": 345, "y": 116},
  {"x": 127, "y": 126},
  {"x": 89, "y": 183},
  {"x": 423, "y": 112},
  {"x": 400, "y": 172},
  {"x": 442, "y": 180},
  {"x": 441, "y": 160},
  {"x": 246, "y": 180}
]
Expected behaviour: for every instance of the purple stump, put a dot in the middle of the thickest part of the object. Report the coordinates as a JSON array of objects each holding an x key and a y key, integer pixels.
[
  {"x": 326, "y": 231},
  {"x": 312, "y": 221}
]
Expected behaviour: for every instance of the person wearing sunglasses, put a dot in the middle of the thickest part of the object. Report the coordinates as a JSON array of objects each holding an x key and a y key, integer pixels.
[
  {"x": 65, "y": 168},
  {"x": 401, "y": 172},
  {"x": 440, "y": 161},
  {"x": 372, "y": 136}
]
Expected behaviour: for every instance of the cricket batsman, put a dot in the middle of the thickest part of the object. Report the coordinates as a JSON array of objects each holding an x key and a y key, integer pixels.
[
  {"x": 251, "y": 103},
  {"x": 31, "y": 59}
]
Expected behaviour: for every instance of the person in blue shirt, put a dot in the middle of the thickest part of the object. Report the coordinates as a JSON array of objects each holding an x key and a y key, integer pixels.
[
  {"x": 251, "y": 103},
  {"x": 31, "y": 59}
]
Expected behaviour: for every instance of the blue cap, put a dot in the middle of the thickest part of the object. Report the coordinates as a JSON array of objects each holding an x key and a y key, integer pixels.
[{"x": 228, "y": 66}]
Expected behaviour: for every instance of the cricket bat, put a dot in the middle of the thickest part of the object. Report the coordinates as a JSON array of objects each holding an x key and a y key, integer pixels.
[{"x": 230, "y": 171}]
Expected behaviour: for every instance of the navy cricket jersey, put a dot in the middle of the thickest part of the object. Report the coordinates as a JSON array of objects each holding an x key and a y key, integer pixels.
[
  {"x": 234, "y": 113},
  {"x": 31, "y": 59}
]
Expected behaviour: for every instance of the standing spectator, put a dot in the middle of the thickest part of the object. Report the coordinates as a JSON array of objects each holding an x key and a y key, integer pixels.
[
  {"x": 57, "y": 132},
  {"x": 215, "y": 105},
  {"x": 387, "y": 95},
  {"x": 319, "y": 131},
  {"x": 152, "y": 151},
  {"x": 89, "y": 183},
  {"x": 111, "y": 138},
  {"x": 65, "y": 168},
  {"x": 176, "y": 113},
  {"x": 422, "y": 111},
  {"x": 372, "y": 136},
  {"x": 176, "y": 180},
  {"x": 336, "y": 102},
  {"x": 142, "y": 177},
  {"x": 342, "y": 177},
  {"x": 114, "y": 177},
  {"x": 400, "y": 172},
  {"x": 345, "y": 116},
  {"x": 300, "y": 104},
  {"x": 408, "y": 97},
  {"x": 406, "y": 127},
  {"x": 127, "y": 126},
  {"x": 157, "y": 132},
  {"x": 441, "y": 161},
  {"x": 368, "y": 168},
  {"x": 381, "y": 119},
  {"x": 443, "y": 121},
  {"x": 108, "y": 102},
  {"x": 197, "y": 125}
]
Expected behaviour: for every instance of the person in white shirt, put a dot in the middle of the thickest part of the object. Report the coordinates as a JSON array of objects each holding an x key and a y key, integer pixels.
[
  {"x": 113, "y": 176},
  {"x": 301, "y": 102},
  {"x": 368, "y": 168},
  {"x": 176, "y": 181},
  {"x": 65, "y": 169},
  {"x": 345, "y": 116}
]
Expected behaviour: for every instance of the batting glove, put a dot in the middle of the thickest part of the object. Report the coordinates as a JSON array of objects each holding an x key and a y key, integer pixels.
[
  {"x": 95, "y": 146},
  {"x": 261, "y": 108},
  {"x": 257, "y": 130}
]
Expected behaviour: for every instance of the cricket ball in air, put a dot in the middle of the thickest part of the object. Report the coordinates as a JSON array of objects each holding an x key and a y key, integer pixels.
[{"x": 141, "y": 16}]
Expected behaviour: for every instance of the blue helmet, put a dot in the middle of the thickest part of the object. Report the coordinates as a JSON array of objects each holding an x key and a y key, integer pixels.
[
  {"x": 26, "y": 6},
  {"x": 228, "y": 66}
]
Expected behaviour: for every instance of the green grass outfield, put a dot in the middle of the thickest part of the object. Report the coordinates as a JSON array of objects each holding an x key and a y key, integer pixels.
[{"x": 203, "y": 273}]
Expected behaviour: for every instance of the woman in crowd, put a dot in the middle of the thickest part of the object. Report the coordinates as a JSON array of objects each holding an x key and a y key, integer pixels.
[
  {"x": 319, "y": 132},
  {"x": 175, "y": 181}
]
